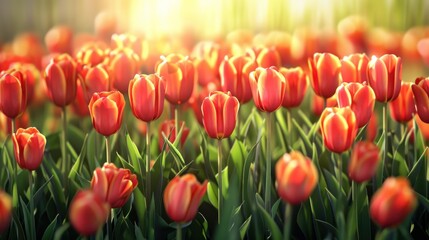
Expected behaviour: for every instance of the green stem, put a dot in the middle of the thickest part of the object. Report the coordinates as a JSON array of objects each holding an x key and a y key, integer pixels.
[
  {"x": 287, "y": 221},
  {"x": 385, "y": 143},
  {"x": 268, "y": 165},
  {"x": 32, "y": 223},
  {"x": 176, "y": 120},
  {"x": 355, "y": 197},
  {"x": 107, "y": 150},
  {"x": 415, "y": 141},
  {"x": 219, "y": 168},
  {"x": 339, "y": 211},
  {"x": 289, "y": 127},
  {"x": 15, "y": 202},
  {"x": 64, "y": 141},
  {"x": 179, "y": 231},
  {"x": 148, "y": 184}
]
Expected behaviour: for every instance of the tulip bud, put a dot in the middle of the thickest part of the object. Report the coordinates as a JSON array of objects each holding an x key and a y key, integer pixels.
[
  {"x": 353, "y": 68},
  {"x": 5, "y": 210},
  {"x": 95, "y": 79},
  {"x": 168, "y": 128},
  {"x": 296, "y": 177},
  {"x": 91, "y": 54},
  {"x": 106, "y": 109},
  {"x": 296, "y": 86},
  {"x": 13, "y": 93},
  {"x": 325, "y": 73},
  {"x": 268, "y": 88},
  {"x": 265, "y": 57},
  {"x": 385, "y": 77},
  {"x": 80, "y": 106},
  {"x": 59, "y": 39},
  {"x": 123, "y": 64},
  {"x": 339, "y": 128},
  {"x": 220, "y": 112},
  {"x": 197, "y": 99},
  {"x": 363, "y": 161},
  {"x": 402, "y": 108},
  {"x": 146, "y": 93},
  {"x": 421, "y": 96},
  {"x": 393, "y": 202},
  {"x": 114, "y": 185},
  {"x": 29, "y": 147},
  {"x": 182, "y": 196},
  {"x": 88, "y": 212},
  {"x": 372, "y": 127},
  {"x": 31, "y": 75}
]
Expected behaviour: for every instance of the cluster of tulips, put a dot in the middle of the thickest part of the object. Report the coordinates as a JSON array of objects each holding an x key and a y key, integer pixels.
[{"x": 118, "y": 193}]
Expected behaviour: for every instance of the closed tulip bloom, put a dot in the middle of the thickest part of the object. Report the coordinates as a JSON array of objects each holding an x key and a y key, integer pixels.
[
  {"x": 220, "y": 112},
  {"x": 363, "y": 161},
  {"x": 182, "y": 196},
  {"x": 95, "y": 79},
  {"x": 393, "y": 202},
  {"x": 197, "y": 99},
  {"x": 91, "y": 54},
  {"x": 29, "y": 147},
  {"x": 339, "y": 128},
  {"x": 296, "y": 86},
  {"x": 372, "y": 127},
  {"x": 360, "y": 98},
  {"x": 317, "y": 105},
  {"x": 296, "y": 177},
  {"x": 265, "y": 57},
  {"x": 354, "y": 68},
  {"x": 80, "y": 105},
  {"x": 113, "y": 184},
  {"x": 268, "y": 88},
  {"x": 385, "y": 77},
  {"x": 59, "y": 39},
  {"x": 123, "y": 65},
  {"x": 168, "y": 128},
  {"x": 61, "y": 77},
  {"x": 421, "y": 97},
  {"x": 325, "y": 73},
  {"x": 146, "y": 93},
  {"x": 88, "y": 212},
  {"x": 106, "y": 109},
  {"x": 205, "y": 73},
  {"x": 403, "y": 108},
  {"x": 13, "y": 93},
  {"x": 5, "y": 210},
  {"x": 31, "y": 75},
  {"x": 234, "y": 75}
]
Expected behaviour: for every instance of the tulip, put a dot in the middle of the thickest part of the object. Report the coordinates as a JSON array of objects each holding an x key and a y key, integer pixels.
[
  {"x": 20, "y": 122},
  {"x": 363, "y": 161},
  {"x": 402, "y": 108},
  {"x": 354, "y": 68},
  {"x": 360, "y": 97},
  {"x": 317, "y": 105},
  {"x": 95, "y": 79},
  {"x": 234, "y": 75},
  {"x": 29, "y": 146},
  {"x": 31, "y": 75},
  {"x": 296, "y": 86},
  {"x": 5, "y": 210},
  {"x": 265, "y": 57},
  {"x": 106, "y": 109},
  {"x": 123, "y": 64},
  {"x": 80, "y": 105},
  {"x": 59, "y": 39},
  {"x": 220, "y": 112},
  {"x": 372, "y": 127},
  {"x": 296, "y": 177},
  {"x": 182, "y": 197},
  {"x": 205, "y": 73},
  {"x": 136, "y": 43},
  {"x": 268, "y": 88},
  {"x": 168, "y": 129},
  {"x": 325, "y": 74},
  {"x": 339, "y": 128},
  {"x": 114, "y": 185},
  {"x": 421, "y": 96},
  {"x": 385, "y": 76},
  {"x": 13, "y": 93},
  {"x": 91, "y": 54},
  {"x": 393, "y": 202},
  {"x": 146, "y": 93},
  {"x": 88, "y": 212},
  {"x": 61, "y": 77},
  {"x": 197, "y": 99}
]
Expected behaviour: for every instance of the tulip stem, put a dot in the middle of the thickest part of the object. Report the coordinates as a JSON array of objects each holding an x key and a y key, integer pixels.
[
  {"x": 287, "y": 221},
  {"x": 355, "y": 197},
  {"x": 176, "y": 119},
  {"x": 415, "y": 141},
  {"x": 179, "y": 231},
  {"x": 65, "y": 163},
  {"x": 148, "y": 184},
  {"x": 379, "y": 178},
  {"x": 289, "y": 127},
  {"x": 107, "y": 150},
  {"x": 339, "y": 215},
  {"x": 32, "y": 222},
  {"x": 219, "y": 168},
  {"x": 268, "y": 165},
  {"x": 15, "y": 171}
]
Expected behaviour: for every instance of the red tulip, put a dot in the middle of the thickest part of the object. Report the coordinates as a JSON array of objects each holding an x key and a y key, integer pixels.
[
  {"x": 372, "y": 127},
  {"x": 80, "y": 105},
  {"x": 182, "y": 196},
  {"x": 13, "y": 93},
  {"x": 106, "y": 109},
  {"x": 325, "y": 74},
  {"x": 136, "y": 43},
  {"x": 360, "y": 98},
  {"x": 146, "y": 93},
  {"x": 393, "y": 202},
  {"x": 220, "y": 112},
  {"x": 20, "y": 122},
  {"x": 296, "y": 177},
  {"x": 123, "y": 64},
  {"x": 59, "y": 39},
  {"x": 354, "y": 68},
  {"x": 296, "y": 86},
  {"x": 385, "y": 77},
  {"x": 114, "y": 185},
  {"x": 61, "y": 77},
  {"x": 402, "y": 108},
  {"x": 88, "y": 212},
  {"x": 421, "y": 96},
  {"x": 91, "y": 54},
  {"x": 197, "y": 99},
  {"x": 31, "y": 75},
  {"x": 5, "y": 210},
  {"x": 363, "y": 161},
  {"x": 268, "y": 88},
  {"x": 95, "y": 79},
  {"x": 169, "y": 129},
  {"x": 317, "y": 105},
  {"x": 29, "y": 147},
  {"x": 205, "y": 73},
  {"x": 265, "y": 57},
  {"x": 339, "y": 128}
]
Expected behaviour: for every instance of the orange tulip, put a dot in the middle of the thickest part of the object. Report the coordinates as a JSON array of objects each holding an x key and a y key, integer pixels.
[
  {"x": 197, "y": 99},
  {"x": 339, "y": 128},
  {"x": 268, "y": 88},
  {"x": 360, "y": 98},
  {"x": 146, "y": 93},
  {"x": 169, "y": 129},
  {"x": 123, "y": 65},
  {"x": 13, "y": 93},
  {"x": 59, "y": 39},
  {"x": 296, "y": 177},
  {"x": 31, "y": 75},
  {"x": 5, "y": 210},
  {"x": 325, "y": 73},
  {"x": 393, "y": 202},
  {"x": 372, "y": 127},
  {"x": 106, "y": 109},
  {"x": 363, "y": 161},
  {"x": 296, "y": 86},
  {"x": 234, "y": 76},
  {"x": 220, "y": 112},
  {"x": 353, "y": 68},
  {"x": 29, "y": 147},
  {"x": 421, "y": 96},
  {"x": 61, "y": 77},
  {"x": 402, "y": 108},
  {"x": 385, "y": 77},
  {"x": 80, "y": 105},
  {"x": 317, "y": 105},
  {"x": 265, "y": 57},
  {"x": 20, "y": 122},
  {"x": 182, "y": 196},
  {"x": 91, "y": 54},
  {"x": 136, "y": 43},
  {"x": 113, "y": 184},
  {"x": 88, "y": 212},
  {"x": 95, "y": 79},
  {"x": 205, "y": 73}
]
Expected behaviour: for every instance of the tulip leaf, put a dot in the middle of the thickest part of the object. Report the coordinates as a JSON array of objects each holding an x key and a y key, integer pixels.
[
  {"x": 60, "y": 231},
  {"x": 78, "y": 164},
  {"x": 138, "y": 232},
  {"x": 50, "y": 230},
  {"x": 237, "y": 156},
  {"x": 27, "y": 219},
  {"x": 244, "y": 227},
  {"x": 303, "y": 136},
  {"x": 417, "y": 175},
  {"x": 304, "y": 218},
  {"x": 212, "y": 188},
  {"x": 55, "y": 186},
  {"x": 134, "y": 155},
  {"x": 205, "y": 153},
  {"x": 175, "y": 152},
  {"x": 274, "y": 229},
  {"x": 140, "y": 206}
]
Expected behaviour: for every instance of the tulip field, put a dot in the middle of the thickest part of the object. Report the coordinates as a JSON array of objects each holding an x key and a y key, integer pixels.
[{"x": 246, "y": 135}]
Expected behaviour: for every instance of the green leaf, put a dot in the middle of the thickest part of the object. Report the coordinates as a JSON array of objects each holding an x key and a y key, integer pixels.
[
  {"x": 303, "y": 136},
  {"x": 138, "y": 232},
  {"x": 78, "y": 164},
  {"x": 174, "y": 151},
  {"x": 237, "y": 156},
  {"x": 60, "y": 231},
  {"x": 274, "y": 229},
  {"x": 244, "y": 227},
  {"x": 27, "y": 215},
  {"x": 50, "y": 230}
]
